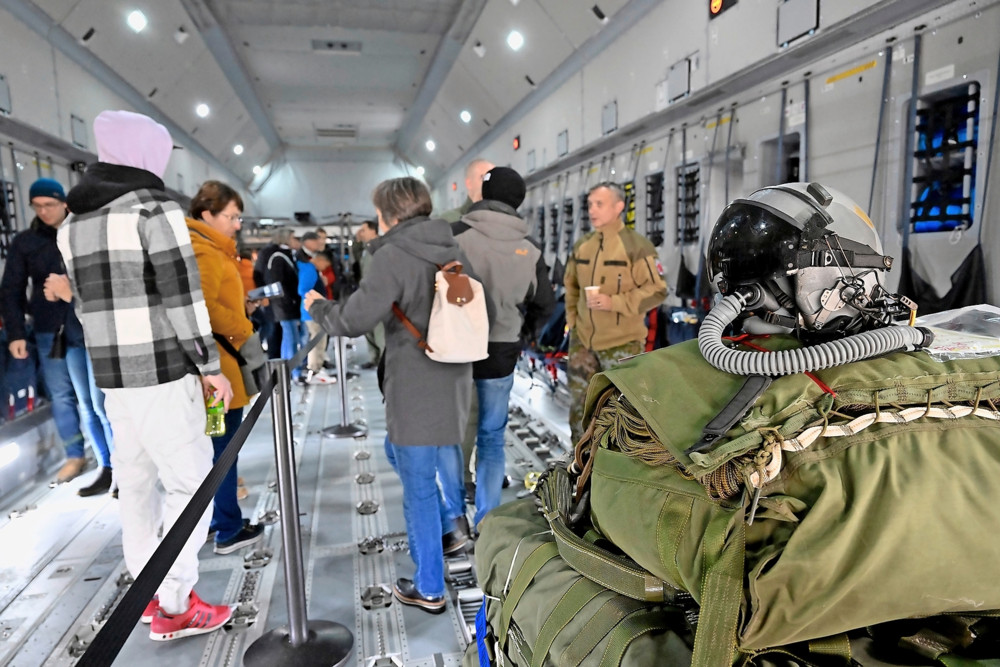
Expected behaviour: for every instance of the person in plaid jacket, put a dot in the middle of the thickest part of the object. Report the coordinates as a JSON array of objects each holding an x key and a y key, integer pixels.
[{"x": 138, "y": 295}]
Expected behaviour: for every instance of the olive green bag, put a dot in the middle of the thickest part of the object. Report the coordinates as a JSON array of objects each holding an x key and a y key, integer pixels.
[
  {"x": 864, "y": 494},
  {"x": 542, "y": 612}
]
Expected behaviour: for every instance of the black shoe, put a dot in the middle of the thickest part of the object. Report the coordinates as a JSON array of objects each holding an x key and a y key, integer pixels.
[
  {"x": 407, "y": 593},
  {"x": 368, "y": 365},
  {"x": 114, "y": 493},
  {"x": 247, "y": 536},
  {"x": 506, "y": 482},
  {"x": 454, "y": 542},
  {"x": 99, "y": 485}
]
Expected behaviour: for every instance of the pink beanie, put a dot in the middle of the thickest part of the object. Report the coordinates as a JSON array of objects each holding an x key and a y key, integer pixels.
[{"x": 132, "y": 140}]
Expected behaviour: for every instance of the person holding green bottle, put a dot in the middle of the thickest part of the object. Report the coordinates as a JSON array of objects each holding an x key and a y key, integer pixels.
[{"x": 214, "y": 219}]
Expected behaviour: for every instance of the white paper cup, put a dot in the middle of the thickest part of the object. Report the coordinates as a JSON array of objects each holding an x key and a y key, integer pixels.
[{"x": 591, "y": 292}]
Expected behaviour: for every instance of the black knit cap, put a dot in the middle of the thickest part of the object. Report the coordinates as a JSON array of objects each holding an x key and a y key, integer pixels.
[{"x": 505, "y": 185}]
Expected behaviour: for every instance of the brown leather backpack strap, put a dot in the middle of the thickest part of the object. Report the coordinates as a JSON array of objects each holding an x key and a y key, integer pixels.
[{"x": 421, "y": 343}]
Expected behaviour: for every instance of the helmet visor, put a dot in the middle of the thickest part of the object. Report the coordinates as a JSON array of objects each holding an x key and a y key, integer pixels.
[{"x": 750, "y": 243}]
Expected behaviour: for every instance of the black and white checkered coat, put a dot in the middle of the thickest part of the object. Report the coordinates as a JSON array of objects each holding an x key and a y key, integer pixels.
[{"x": 138, "y": 291}]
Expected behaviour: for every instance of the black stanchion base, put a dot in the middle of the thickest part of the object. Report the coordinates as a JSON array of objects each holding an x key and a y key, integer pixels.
[
  {"x": 328, "y": 645},
  {"x": 348, "y": 431},
  {"x": 351, "y": 375}
]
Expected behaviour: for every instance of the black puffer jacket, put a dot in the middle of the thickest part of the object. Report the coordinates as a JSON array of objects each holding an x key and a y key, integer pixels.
[{"x": 33, "y": 255}]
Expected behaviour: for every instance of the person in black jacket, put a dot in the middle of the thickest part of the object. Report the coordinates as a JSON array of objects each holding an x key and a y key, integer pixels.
[
  {"x": 270, "y": 331},
  {"x": 34, "y": 257},
  {"x": 281, "y": 268}
]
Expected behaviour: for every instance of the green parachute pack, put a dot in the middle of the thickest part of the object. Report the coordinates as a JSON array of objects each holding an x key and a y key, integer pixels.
[{"x": 855, "y": 497}]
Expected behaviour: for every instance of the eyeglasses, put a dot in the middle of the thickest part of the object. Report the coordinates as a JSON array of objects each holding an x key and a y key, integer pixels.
[
  {"x": 232, "y": 217},
  {"x": 47, "y": 207}
]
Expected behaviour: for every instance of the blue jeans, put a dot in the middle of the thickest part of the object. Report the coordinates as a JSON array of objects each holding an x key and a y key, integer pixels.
[
  {"x": 419, "y": 468},
  {"x": 227, "y": 517},
  {"x": 291, "y": 339},
  {"x": 70, "y": 382},
  {"x": 494, "y": 398}
]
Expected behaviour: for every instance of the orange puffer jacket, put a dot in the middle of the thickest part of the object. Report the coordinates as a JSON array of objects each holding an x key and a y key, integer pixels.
[{"x": 223, "y": 289}]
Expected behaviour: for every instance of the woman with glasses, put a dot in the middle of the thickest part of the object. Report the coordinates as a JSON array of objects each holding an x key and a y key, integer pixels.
[
  {"x": 68, "y": 374},
  {"x": 214, "y": 220}
]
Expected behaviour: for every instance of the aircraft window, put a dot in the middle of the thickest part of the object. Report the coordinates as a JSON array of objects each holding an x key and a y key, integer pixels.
[
  {"x": 944, "y": 173},
  {"x": 688, "y": 203},
  {"x": 654, "y": 208}
]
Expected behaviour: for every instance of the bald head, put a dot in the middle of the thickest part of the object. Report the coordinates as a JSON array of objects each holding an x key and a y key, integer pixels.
[{"x": 474, "y": 178}]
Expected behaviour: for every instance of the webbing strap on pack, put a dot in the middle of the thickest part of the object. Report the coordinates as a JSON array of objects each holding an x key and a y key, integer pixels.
[
  {"x": 618, "y": 573},
  {"x": 837, "y": 646},
  {"x": 629, "y": 630},
  {"x": 539, "y": 557},
  {"x": 571, "y": 603},
  {"x": 597, "y": 628},
  {"x": 721, "y": 595},
  {"x": 752, "y": 389}
]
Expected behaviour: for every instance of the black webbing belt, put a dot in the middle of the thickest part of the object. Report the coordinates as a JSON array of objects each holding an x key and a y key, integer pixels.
[{"x": 109, "y": 641}]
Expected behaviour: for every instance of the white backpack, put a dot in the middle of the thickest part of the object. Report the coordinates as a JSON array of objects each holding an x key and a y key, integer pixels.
[{"x": 459, "y": 328}]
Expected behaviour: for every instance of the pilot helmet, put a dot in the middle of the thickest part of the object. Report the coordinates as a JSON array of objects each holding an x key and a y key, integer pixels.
[{"x": 808, "y": 258}]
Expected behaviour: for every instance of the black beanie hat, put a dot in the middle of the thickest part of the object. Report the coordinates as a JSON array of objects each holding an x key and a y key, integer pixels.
[{"x": 505, "y": 185}]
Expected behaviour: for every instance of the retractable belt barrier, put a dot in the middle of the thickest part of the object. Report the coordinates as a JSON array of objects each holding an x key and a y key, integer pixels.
[{"x": 109, "y": 641}]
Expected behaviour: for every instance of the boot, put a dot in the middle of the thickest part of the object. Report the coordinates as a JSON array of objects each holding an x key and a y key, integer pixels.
[
  {"x": 70, "y": 469},
  {"x": 99, "y": 485}
]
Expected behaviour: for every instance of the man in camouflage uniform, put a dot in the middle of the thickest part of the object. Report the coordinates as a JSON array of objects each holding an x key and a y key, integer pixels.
[{"x": 607, "y": 323}]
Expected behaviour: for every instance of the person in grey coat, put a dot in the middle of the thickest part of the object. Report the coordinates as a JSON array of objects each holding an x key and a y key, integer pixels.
[{"x": 427, "y": 402}]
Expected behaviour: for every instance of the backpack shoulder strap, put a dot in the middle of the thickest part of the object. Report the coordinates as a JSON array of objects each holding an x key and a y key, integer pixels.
[{"x": 421, "y": 343}]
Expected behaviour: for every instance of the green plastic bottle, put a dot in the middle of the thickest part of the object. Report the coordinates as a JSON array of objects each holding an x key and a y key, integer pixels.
[{"x": 215, "y": 418}]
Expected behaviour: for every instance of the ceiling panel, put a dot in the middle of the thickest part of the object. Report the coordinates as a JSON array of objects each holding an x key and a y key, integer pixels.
[
  {"x": 403, "y": 16},
  {"x": 148, "y": 60},
  {"x": 461, "y": 91},
  {"x": 576, "y": 20},
  {"x": 503, "y": 70},
  {"x": 57, "y": 9}
]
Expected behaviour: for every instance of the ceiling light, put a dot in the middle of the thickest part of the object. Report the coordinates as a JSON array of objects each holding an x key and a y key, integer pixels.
[
  {"x": 137, "y": 21},
  {"x": 238, "y": 149},
  {"x": 420, "y": 171},
  {"x": 202, "y": 110},
  {"x": 515, "y": 40},
  {"x": 465, "y": 116},
  {"x": 479, "y": 49},
  {"x": 257, "y": 169},
  {"x": 430, "y": 145}
]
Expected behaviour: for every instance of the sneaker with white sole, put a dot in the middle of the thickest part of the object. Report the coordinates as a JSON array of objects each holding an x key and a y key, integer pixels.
[
  {"x": 150, "y": 611},
  {"x": 249, "y": 534},
  {"x": 199, "y": 618}
]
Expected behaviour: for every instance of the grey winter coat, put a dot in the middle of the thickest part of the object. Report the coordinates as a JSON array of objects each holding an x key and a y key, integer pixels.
[{"x": 427, "y": 402}]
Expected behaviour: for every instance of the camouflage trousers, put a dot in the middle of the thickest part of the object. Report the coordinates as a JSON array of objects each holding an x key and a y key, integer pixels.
[{"x": 581, "y": 365}]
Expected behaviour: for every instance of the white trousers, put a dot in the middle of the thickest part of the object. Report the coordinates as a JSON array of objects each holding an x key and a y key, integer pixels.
[{"x": 160, "y": 436}]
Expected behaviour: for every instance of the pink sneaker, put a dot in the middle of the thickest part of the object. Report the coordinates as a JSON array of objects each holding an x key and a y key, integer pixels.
[
  {"x": 150, "y": 611},
  {"x": 197, "y": 620}
]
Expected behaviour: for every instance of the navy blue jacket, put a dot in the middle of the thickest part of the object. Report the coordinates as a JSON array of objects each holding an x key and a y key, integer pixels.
[{"x": 33, "y": 255}]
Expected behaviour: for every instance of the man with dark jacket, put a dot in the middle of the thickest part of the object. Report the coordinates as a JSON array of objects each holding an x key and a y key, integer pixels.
[
  {"x": 281, "y": 268},
  {"x": 33, "y": 258},
  {"x": 514, "y": 274},
  {"x": 270, "y": 331}
]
